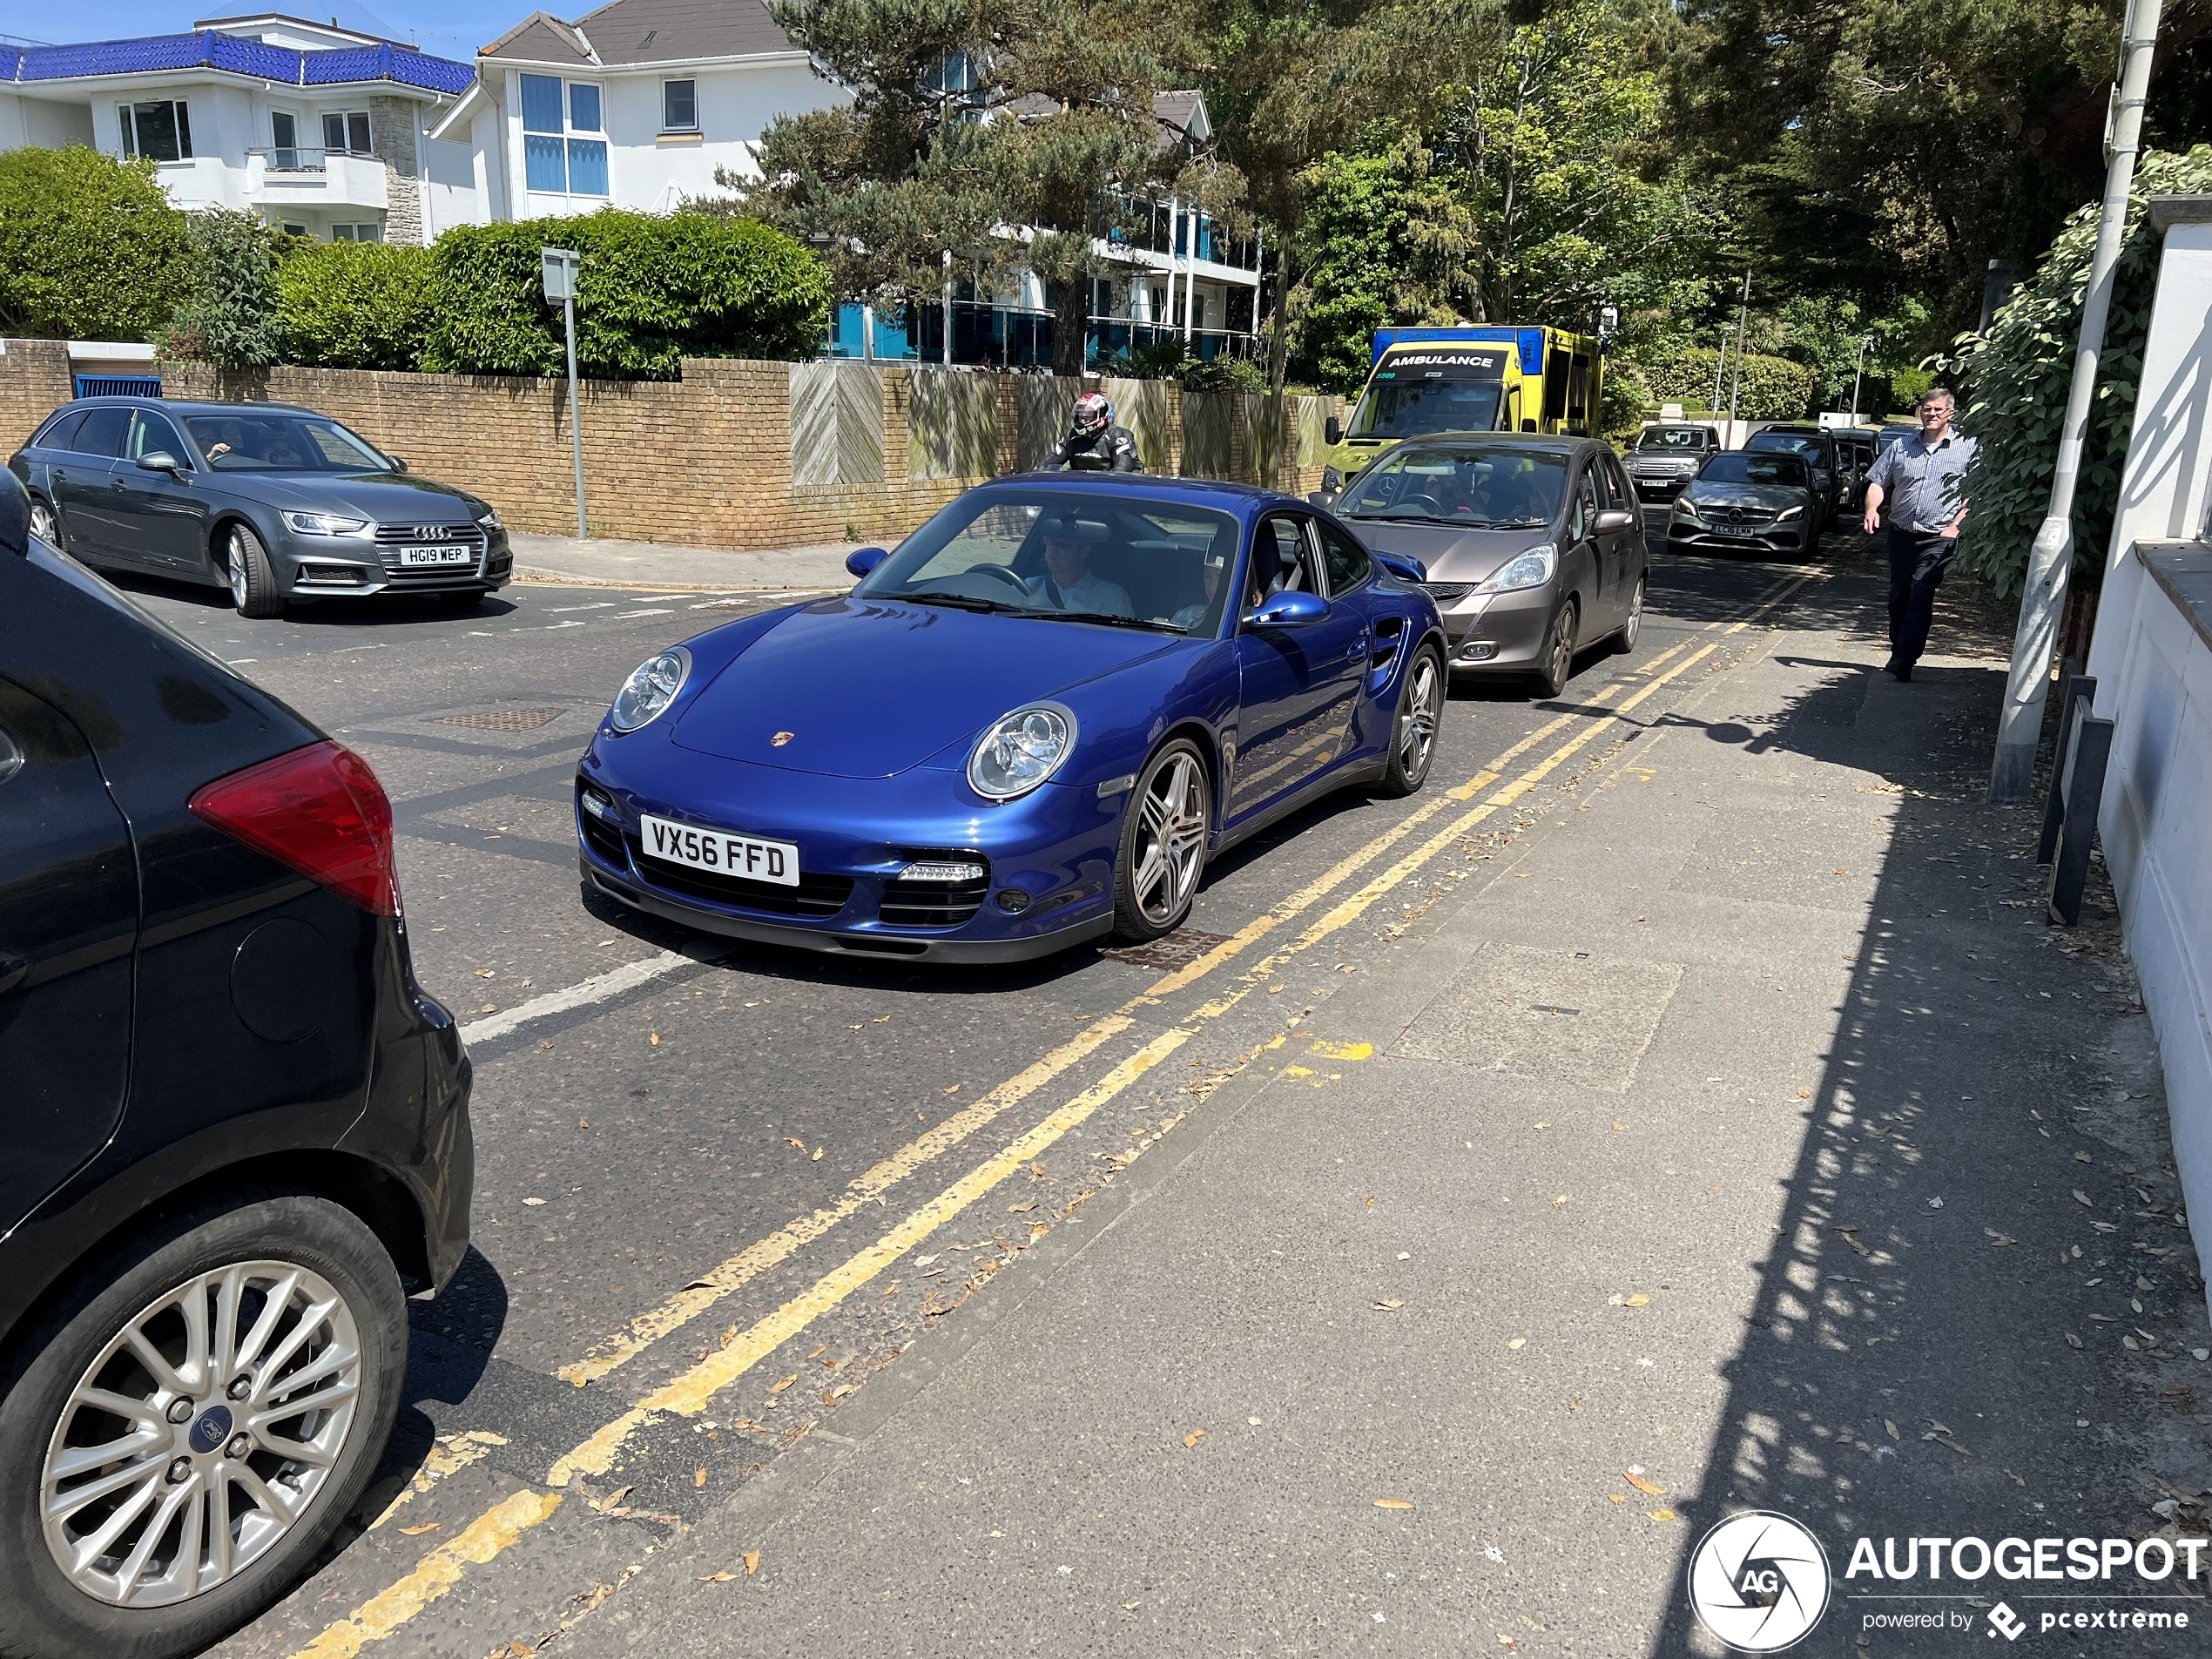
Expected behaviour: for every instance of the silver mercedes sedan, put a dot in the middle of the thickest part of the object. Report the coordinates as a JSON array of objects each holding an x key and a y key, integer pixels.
[{"x": 1742, "y": 501}]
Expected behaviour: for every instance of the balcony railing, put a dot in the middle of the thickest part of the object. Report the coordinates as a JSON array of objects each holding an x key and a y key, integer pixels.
[{"x": 301, "y": 158}]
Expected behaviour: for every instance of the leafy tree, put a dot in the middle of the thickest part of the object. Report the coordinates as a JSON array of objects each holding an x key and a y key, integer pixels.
[
  {"x": 2016, "y": 379},
  {"x": 968, "y": 122},
  {"x": 652, "y": 290},
  {"x": 229, "y": 313},
  {"x": 89, "y": 247},
  {"x": 355, "y": 305}
]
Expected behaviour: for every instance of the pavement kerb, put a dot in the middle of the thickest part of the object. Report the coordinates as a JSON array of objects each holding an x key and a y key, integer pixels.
[
  {"x": 748, "y": 1517},
  {"x": 530, "y": 577}
]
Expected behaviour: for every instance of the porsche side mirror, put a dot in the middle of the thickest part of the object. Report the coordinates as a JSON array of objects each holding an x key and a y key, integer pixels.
[
  {"x": 158, "y": 461},
  {"x": 861, "y": 560},
  {"x": 1332, "y": 431},
  {"x": 1290, "y": 608},
  {"x": 1614, "y": 520},
  {"x": 1400, "y": 565}
]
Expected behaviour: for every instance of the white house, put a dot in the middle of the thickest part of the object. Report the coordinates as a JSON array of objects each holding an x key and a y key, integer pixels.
[
  {"x": 635, "y": 106},
  {"x": 319, "y": 129}
]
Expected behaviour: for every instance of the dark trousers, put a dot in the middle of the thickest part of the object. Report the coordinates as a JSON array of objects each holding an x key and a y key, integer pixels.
[{"x": 1917, "y": 564}]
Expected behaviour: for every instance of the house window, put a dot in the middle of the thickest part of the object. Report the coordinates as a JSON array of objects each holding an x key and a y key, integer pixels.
[
  {"x": 371, "y": 232},
  {"x": 284, "y": 130},
  {"x": 162, "y": 130},
  {"x": 347, "y": 132},
  {"x": 679, "y": 106},
  {"x": 553, "y": 159}
]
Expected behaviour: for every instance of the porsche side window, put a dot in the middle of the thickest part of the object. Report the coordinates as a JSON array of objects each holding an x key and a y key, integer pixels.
[
  {"x": 1347, "y": 561},
  {"x": 1279, "y": 560}
]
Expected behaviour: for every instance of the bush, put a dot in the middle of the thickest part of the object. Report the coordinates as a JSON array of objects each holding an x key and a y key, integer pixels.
[
  {"x": 2017, "y": 378},
  {"x": 355, "y": 305},
  {"x": 1225, "y": 375},
  {"x": 229, "y": 313},
  {"x": 652, "y": 291},
  {"x": 89, "y": 247},
  {"x": 1774, "y": 387}
]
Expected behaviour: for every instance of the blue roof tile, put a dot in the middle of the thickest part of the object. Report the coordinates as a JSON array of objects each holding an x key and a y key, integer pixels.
[{"x": 210, "y": 49}]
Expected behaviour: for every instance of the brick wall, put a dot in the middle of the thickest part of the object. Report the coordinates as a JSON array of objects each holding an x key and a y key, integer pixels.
[{"x": 702, "y": 461}]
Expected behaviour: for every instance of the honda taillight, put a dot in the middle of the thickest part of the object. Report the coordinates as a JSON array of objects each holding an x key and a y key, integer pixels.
[{"x": 318, "y": 810}]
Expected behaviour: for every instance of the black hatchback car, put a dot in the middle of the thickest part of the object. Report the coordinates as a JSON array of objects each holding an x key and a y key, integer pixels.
[
  {"x": 274, "y": 502},
  {"x": 238, "y": 1132}
]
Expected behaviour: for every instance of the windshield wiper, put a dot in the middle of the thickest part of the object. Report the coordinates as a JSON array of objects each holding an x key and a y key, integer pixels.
[
  {"x": 1396, "y": 509},
  {"x": 1111, "y": 620},
  {"x": 961, "y": 602}
]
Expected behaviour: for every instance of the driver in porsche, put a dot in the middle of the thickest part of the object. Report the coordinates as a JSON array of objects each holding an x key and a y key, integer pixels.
[{"x": 1067, "y": 583}]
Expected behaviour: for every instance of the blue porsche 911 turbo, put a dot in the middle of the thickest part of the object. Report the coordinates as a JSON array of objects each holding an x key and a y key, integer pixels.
[{"x": 1029, "y": 725}]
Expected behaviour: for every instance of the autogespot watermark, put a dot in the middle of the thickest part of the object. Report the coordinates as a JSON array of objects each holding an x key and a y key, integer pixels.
[{"x": 1761, "y": 1582}]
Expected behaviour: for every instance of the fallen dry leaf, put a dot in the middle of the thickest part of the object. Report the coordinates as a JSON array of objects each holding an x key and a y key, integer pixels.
[
  {"x": 1392, "y": 1306},
  {"x": 534, "y": 1202},
  {"x": 1806, "y": 1093},
  {"x": 1022, "y": 1209},
  {"x": 1648, "y": 1488},
  {"x": 779, "y": 1387},
  {"x": 2080, "y": 1196},
  {"x": 752, "y": 1562},
  {"x": 1194, "y": 1437},
  {"x": 2083, "y": 1157},
  {"x": 654, "y": 1039},
  {"x": 1392, "y": 1503},
  {"x": 1518, "y": 1342},
  {"x": 698, "y": 1477},
  {"x": 1131, "y": 1607},
  {"x": 428, "y": 1526},
  {"x": 1892, "y": 1427},
  {"x": 1661, "y": 1515},
  {"x": 1616, "y": 1497},
  {"x": 793, "y": 1141},
  {"x": 1636, "y": 1301},
  {"x": 817, "y": 1159},
  {"x": 1851, "y": 1237},
  {"x": 2073, "y": 1341},
  {"x": 717, "y": 1578}
]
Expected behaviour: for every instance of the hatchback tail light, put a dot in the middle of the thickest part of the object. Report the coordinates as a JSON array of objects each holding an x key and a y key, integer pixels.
[{"x": 318, "y": 810}]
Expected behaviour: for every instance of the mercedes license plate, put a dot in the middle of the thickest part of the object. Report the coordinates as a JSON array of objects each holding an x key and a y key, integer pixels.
[
  {"x": 1747, "y": 531},
  {"x": 718, "y": 852},
  {"x": 411, "y": 557}
]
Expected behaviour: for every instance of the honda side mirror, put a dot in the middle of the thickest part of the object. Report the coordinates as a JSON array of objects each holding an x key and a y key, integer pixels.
[
  {"x": 1290, "y": 608},
  {"x": 1614, "y": 520},
  {"x": 1322, "y": 498},
  {"x": 861, "y": 560},
  {"x": 1332, "y": 431}
]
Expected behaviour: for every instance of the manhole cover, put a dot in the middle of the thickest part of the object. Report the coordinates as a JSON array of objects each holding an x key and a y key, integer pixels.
[
  {"x": 504, "y": 719},
  {"x": 1178, "y": 949}
]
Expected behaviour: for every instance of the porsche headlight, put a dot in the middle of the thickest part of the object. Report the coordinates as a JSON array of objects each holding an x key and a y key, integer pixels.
[
  {"x": 1021, "y": 751},
  {"x": 1529, "y": 570},
  {"x": 652, "y": 685}
]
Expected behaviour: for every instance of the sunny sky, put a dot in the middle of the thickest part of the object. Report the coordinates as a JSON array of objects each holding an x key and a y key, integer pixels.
[{"x": 449, "y": 27}]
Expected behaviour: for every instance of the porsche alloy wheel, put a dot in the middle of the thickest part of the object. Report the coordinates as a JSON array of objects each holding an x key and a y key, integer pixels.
[
  {"x": 1412, "y": 737},
  {"x": 1164, "y": 844}
]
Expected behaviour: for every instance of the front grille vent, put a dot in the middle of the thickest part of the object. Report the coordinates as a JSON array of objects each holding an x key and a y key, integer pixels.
[{"x": 934, "y": 904}]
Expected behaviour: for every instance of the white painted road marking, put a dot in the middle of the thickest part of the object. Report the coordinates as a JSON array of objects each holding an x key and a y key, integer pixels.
[{"x": 597, "y": 988}]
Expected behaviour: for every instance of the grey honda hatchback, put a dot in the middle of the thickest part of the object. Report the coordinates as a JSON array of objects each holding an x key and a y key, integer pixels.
[{"x": 274, "y": 502}]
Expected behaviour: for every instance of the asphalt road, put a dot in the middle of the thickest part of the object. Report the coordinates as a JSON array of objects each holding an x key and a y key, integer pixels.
[{"x": 680, "y": 1177}]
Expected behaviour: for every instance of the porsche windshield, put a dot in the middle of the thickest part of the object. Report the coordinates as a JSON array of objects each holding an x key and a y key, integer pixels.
[
  {"x": 1112, "y": 559},
  {"x": 1414, "y": 393},
  {"x": 1473, "y": 486}
]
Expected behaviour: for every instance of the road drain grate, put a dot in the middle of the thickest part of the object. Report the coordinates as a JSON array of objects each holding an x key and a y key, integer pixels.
[
  {"x": 1178, "y": 949},
  {"x": 504, "y": 719}
]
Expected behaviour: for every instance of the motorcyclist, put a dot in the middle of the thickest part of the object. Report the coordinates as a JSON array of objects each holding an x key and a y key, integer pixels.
[{"x": 1093, "y": 443}]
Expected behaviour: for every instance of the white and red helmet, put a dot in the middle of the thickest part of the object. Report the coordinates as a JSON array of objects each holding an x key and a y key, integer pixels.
[{"x": 1093, "y": 413}]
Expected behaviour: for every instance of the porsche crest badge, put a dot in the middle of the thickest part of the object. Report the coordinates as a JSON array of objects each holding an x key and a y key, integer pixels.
[{"x": 781, "y": 739}]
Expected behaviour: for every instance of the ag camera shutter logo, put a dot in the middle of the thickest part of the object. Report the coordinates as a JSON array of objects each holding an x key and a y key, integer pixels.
[{"x": 1759, "y": 1581}]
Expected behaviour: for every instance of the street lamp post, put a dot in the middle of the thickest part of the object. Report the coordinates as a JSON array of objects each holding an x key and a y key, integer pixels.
[
  {"x": 1864, "y": 340},
  {"x": 559, "y": 266},
  {"x": 1720, "y": 364},
  {"x": 1743, "y": 326}
]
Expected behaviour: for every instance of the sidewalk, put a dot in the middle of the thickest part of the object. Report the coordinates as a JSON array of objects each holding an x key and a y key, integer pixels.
[
  {"x": 600, "y": 562},
  {"x": 1747, "y": 1139}
]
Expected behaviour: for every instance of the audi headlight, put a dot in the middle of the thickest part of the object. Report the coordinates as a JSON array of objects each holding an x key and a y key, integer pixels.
[
  {"x": 1529, "y": 570},
  {"x": 325, "y": 524},
  {"x": 489, "y": 519},
  {"x": 1789, "y": 512},
  {"x": 1022, "y": 751},
  {"x": 652, "y": 685}
]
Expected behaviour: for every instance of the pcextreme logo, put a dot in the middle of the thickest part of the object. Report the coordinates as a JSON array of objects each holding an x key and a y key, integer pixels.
[{"x": 1759, "y": 1581}]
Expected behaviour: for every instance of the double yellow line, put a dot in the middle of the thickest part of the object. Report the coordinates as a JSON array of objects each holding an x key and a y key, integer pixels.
[{"x": 690, "y": 1391}]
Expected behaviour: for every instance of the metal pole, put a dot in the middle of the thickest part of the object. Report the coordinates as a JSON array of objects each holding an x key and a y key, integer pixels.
[
  {"x": 575, "y": 423},
  {"x": 1720, "y": 362},
  {"x": 1736, "y": 385},
  {"x": 1864, "y": 340},
  {"x": 2019, "y": 723}
]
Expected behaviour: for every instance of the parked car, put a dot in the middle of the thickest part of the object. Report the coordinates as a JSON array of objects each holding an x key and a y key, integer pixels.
[
  {"x": 238, "y": 1132},
  {"x": 1533, "y": 546},
  {"x": 274, "y": 502},
  {"x": 1666, "y": 456},
  {"x": 1855, "y": 448},
  {"x": 1818, "y": 446},
  {"x": 1125, "y": 676},
  {"x": 1748, "y": 501}
]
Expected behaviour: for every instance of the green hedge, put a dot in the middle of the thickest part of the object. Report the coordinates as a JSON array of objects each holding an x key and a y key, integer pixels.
[
  {"x": 652, "y": 291},
  {"x": 90, "y": 247},
  {"x": 2018, "y": 375},
  {"x": 355, "y": 305},
  {"x": 1774, "y": 387}
]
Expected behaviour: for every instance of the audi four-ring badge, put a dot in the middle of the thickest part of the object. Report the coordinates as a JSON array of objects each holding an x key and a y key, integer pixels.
[{"x": 1028, "y": 726}]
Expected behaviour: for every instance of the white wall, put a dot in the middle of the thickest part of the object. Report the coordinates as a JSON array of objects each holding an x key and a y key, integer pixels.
[
  {"x": 2154, "y": 681},
  {"x": 42, "y": 122}
]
